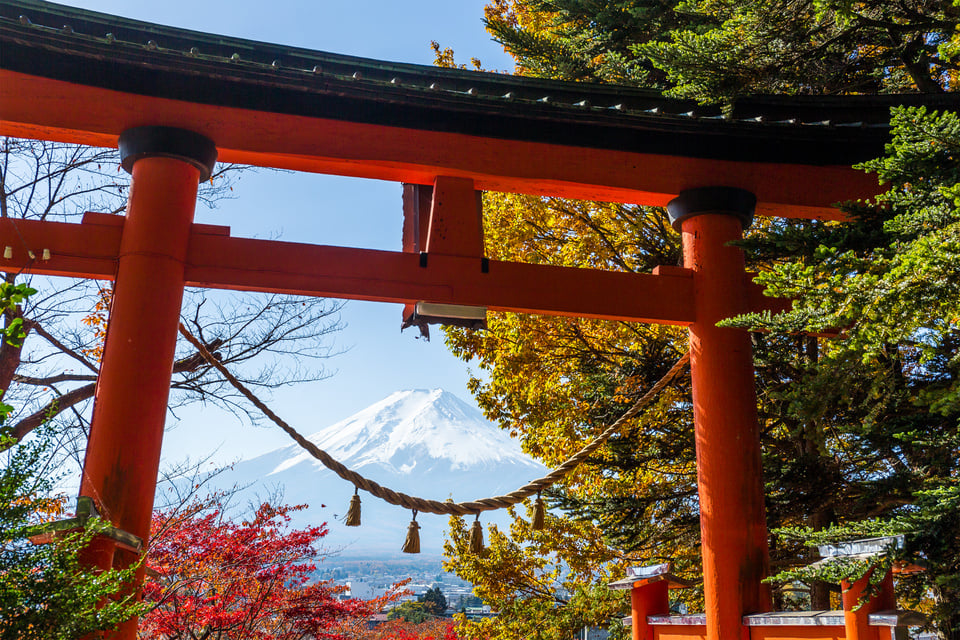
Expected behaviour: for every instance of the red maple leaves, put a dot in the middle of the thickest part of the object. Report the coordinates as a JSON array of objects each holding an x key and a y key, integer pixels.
[
  {"x": 213, "y": 578},
  {"x": 435, "y": 629}
]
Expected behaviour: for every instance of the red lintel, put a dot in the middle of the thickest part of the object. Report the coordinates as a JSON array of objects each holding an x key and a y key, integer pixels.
[{"x": 33, "y": 107}]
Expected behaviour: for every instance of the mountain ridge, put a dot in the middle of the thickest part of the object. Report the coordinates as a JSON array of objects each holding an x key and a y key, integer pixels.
[{"x": 427, "y": 443}]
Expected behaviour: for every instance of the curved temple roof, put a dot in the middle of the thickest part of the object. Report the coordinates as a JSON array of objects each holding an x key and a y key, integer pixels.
[{"x": 47, "y": 48}]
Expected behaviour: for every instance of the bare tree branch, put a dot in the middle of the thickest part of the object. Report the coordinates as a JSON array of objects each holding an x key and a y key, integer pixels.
[{"x": 269, "y": 340}]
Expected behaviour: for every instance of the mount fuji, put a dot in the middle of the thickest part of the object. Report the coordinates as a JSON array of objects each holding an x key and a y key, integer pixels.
[{"x": 427, "y": 443}]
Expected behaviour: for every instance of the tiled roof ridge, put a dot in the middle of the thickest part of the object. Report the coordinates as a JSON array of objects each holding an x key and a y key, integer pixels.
[{"x": 81, "y": 25}]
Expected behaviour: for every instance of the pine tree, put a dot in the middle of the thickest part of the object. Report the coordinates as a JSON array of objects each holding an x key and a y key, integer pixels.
[
  {"x": 890, "y": 278},
  {"x": 880, "y": 444},
  {"x": 717, "y": 50},
  {"x": 434, "y": 601}
]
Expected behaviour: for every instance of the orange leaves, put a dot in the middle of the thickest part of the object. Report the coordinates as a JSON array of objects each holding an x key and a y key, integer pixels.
[
  {"x": 501, "y": 10},
  {"x": 444, "y": 58},
  {"x": 557, "y": 383},
  {"x": 97, "y": 320}
]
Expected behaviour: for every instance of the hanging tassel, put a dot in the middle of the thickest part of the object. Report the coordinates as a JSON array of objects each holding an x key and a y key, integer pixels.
[
  {"x": 476, "y": 537},
  {"x": 412, "y": 543},
  {"x": 353, "y": 513},
  {"x": 538, "y": 512}
]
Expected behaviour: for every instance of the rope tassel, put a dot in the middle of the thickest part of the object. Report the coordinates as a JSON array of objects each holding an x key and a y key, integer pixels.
[
  {"x": 353, "y": 512},
  {"x": 412, "y": 543},
  {"x": 476, "y": 537},
  {"x": 538, "y": 514}
]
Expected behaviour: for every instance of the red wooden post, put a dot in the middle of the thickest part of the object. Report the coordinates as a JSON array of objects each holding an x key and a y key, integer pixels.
[
  {"x": 456, "y": 218},
  {"x": 647, "y": 599},
  {"x": 123, "y": 452},
  {"x": 856, "y": 621},
  {"x": 729, "y": 475}
]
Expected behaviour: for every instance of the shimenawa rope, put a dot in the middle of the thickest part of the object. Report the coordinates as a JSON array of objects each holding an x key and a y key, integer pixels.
[{"x": 434, "y": 506}]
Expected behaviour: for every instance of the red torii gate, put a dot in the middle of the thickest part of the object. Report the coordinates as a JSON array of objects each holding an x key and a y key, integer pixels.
[{"x": 174, "y": 100}]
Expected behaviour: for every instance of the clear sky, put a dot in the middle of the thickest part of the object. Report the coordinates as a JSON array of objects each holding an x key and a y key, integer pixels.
[{"x": 325, "y": 209}]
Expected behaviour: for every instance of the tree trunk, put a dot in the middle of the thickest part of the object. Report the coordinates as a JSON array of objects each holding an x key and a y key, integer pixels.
[{"x": 823, "y": 516}]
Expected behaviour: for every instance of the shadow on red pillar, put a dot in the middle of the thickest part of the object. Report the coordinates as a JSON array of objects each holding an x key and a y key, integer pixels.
[
  {"x": 123, "y": 452},
  {"x": 729, "y": 473}
]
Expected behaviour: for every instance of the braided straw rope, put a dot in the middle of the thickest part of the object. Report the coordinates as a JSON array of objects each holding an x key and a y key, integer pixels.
[{"x": 435, "y": 506}]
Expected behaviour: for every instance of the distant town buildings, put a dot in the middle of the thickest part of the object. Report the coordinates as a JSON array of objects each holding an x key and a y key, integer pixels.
[{"x": 369, "y": 579}]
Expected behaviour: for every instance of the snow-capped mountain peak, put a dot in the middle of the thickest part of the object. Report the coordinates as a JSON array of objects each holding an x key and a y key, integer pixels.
[{"x": 415, "y": 429}]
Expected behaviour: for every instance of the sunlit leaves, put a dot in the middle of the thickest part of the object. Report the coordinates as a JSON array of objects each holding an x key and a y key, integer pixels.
[
  {"x": 556, "y": 383},
  {"x": 544, "y": 584}
]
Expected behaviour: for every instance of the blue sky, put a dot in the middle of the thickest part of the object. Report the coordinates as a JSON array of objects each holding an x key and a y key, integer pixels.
[{"x": 325, "y": 209}]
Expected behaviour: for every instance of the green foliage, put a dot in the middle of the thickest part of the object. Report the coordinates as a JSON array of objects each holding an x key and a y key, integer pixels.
[
  {"x": 434, "y": 601},
  {"x": 888, "y": 278},
  {"x": 11, "y": 296},
  {"x": 583, "y": 39},
  {"x": 893, "y": 278},
  {"x": 415, "y": 612},
  {"x": 45, "y": 594},
  {"x": 843, "y": 570},
  {"x": 543, "y": 584},
  {"x": 824, "y": 46},
  {"x": 935, "y": 538},
  {"x": 717, "y": 50}
]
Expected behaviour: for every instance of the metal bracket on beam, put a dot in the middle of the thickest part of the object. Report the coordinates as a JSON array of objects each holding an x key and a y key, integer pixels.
[{"x": 423, "y": 314}]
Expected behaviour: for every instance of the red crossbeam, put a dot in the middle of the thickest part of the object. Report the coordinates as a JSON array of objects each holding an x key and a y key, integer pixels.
[
  {"x": 33, "y": 107},
  {"x": 216, "y": 260}
]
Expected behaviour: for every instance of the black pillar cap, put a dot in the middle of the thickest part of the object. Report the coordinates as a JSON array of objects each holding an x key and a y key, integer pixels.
[
  {"x": 703, "y": 200},
  {"x": 168, "y": 142}
]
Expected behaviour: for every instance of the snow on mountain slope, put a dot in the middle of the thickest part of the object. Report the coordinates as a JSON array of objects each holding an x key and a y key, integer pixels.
[
  {"x": 409, "y": 428},
  {"x": 427, "y": 443}
]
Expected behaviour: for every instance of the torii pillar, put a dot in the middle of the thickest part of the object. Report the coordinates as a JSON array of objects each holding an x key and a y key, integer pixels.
[
  {"x": 729, "y": 473},
  {"x": 130, "y": 405}
]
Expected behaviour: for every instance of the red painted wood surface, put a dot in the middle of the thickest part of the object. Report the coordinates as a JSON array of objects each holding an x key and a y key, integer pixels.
[
  {"x": 729, "y": 474},
  {"x": 123, "y": 451},
  {"x": 456, "y": 219},
  {"x": 771, "y": 632},
  {"x": 856, "y": 617},
  {"x": 216, "y": 260},
  {"x": 34, "y": 107},
  {"x": 680, "y": 632},
  {"x": 798, "y": 632},
  {"x": 417, "y": 201},
  {"x": 651, "y": 599}
]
